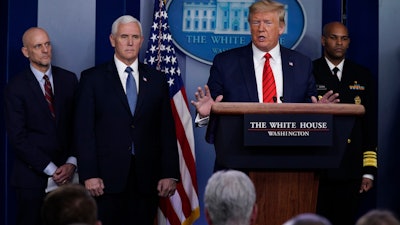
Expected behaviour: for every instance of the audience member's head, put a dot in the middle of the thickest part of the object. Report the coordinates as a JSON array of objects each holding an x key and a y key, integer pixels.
[
  {"x": 308, "y": 219},
  {"x": 230, "y": 198},
  {"x": 69, "y": 204},
  {"x": 378, "y": 217}
]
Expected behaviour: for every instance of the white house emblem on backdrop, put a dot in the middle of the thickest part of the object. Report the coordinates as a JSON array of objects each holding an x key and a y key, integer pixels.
[{"x": 204, "y": 28}]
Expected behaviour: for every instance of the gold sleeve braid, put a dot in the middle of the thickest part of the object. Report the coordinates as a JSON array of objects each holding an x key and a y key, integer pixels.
[{"x": 370, "y": 159}]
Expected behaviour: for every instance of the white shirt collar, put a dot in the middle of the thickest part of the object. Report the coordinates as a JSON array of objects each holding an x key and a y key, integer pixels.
[
  {"x": 276, "y": 66},
  {"x": 331, "y": 66},
  {"x": 274, "y": 52},
  {"x": 39, "y": 74},
  {"x": 123, "y": 75},
  {"x": 121, "y": 66}
]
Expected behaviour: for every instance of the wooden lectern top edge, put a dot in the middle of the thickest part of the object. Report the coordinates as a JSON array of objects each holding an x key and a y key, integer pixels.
[{"x": 232, "y": 108}]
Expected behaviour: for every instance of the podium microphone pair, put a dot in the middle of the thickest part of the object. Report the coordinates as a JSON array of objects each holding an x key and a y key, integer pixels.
[{"x": 275, "y": 99}]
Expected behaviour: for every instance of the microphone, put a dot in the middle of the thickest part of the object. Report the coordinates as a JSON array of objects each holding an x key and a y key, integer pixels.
[
  {"x": 274, "y": 99},
  {"x": 282, "y": 99}
]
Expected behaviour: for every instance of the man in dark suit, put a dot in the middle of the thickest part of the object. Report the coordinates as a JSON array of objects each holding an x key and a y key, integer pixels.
[
  {"x": 128, "y": 158},
  {"x": 40, "y": 132},
  {"x": 237, "y": 74},
  {"x": 342, "y": 189}
]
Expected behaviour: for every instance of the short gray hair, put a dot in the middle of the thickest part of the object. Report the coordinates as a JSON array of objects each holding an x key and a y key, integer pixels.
[
  {"x": 308, "y": 219},
  {"x": 229, "y": 198},
  {"x": 123, "y": 20},
  {"x": 378, "y": 216}
]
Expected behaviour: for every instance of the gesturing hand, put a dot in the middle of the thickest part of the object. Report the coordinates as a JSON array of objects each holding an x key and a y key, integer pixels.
[
  {"x": 204, "y": 101},
  {"x": 328, "y": 97}
]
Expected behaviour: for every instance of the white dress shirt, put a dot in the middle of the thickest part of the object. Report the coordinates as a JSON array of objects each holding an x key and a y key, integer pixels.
[{"x": 276, "y": 65}]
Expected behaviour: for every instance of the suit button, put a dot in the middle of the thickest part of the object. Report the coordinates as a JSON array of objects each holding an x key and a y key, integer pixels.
[
  {"x": 348, "y": 141},
  {"x": 132, "y": 126}
]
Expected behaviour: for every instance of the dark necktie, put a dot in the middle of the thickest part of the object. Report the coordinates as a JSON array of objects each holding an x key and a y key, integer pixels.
[
  {"x": 131, "y": 90},
  {"x": 48, "y": 94},
  {"x": 335, "y": 70},
  {"x": 269, "y": 88}
]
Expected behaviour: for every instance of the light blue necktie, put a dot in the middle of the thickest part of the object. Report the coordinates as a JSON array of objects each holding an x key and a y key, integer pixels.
[
  {"x": 131, "y": 90},
  {"x": 131, "y": 94}
]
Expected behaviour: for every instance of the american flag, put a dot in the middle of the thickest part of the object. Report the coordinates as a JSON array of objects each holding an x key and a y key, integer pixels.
[{"x": 183, "y": 207}]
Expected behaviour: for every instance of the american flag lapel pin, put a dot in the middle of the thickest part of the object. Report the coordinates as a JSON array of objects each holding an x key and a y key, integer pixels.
[
  {"x": 290, "y": 63},
  {"x": 144, "y": 79}
]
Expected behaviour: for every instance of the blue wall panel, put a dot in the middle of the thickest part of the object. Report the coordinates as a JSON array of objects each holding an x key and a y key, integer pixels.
[
  {"x": 362, "y": 22},
  {"x": 389, "y": 105},
  {"x": 331, "y": 11},
  {"x": 3, "y": 71},
  {"x": 18, "y": 20},
  {"x": 106, "y": 13}
]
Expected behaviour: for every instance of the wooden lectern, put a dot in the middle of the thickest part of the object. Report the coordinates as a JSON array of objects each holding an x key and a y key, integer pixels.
[{"x": 285, "y": 175}]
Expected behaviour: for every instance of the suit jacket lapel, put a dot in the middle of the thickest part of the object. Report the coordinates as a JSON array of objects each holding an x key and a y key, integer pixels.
[
  {"x": 287, "y": 73},
  {"x": 346, "y": 70},
  {"x": 332, "y": 81},
  {"x": 115, "y": 82},
  {"x": 144, "y": 84},
  {"x": 249, "y": 75},
  {"x": 38, "y": 93},
  {"x": 57, "y": 92}
]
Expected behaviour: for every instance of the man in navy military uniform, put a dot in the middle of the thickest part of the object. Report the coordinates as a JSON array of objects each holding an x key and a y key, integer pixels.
[{"x": 342, "y": 189}]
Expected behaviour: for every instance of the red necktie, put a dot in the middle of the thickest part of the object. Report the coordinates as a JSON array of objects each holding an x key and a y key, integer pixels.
[
  {"x": 48, "y": 94},
  {"x": 269, "y": 89}
]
